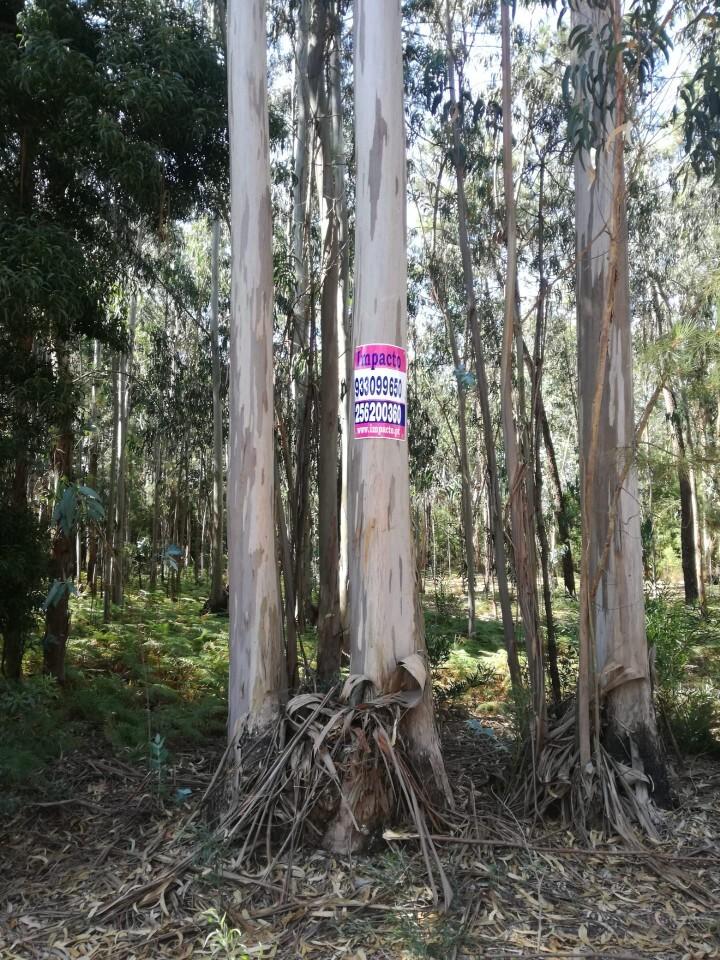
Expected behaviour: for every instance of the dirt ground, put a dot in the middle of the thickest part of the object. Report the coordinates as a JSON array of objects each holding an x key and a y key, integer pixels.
[{"x": 97, "y": 827}]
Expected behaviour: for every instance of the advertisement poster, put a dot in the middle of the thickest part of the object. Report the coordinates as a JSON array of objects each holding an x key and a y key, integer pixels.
[{"x": 380, "y": 392}]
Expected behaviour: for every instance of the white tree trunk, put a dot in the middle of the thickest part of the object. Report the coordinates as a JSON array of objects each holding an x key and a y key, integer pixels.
[
  {"x": 385, "y": 617},
  {"x": 256, "y": 682}
]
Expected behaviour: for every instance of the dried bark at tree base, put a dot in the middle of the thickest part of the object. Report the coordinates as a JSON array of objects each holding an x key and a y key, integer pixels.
[
  {"x": 622, "y": 791},
  {"x": 364, "y": 807},
  {"x": 335, "y": 771}
]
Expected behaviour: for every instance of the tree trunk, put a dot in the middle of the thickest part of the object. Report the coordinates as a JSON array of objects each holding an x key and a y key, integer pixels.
[
  {"x": 93, "y": 462},
  {"x": 329, "y": 627},
  {"x": 466, "y": 510},
  {"x": 285, "y": 554},
  {"x": 687, "y": 520},
  {"x": 344, "y": 340},
  {"x": 695, "y": 478},
  {"x": 155, "y": 530},
  {"x": 110, "y": 535},
  {"x": 483, "y": 390},
  {"x": 257, "y": 681},
  {"x": 203, "y": 531},
  {"x": 301, "y": 347},
  {"x": 560, "y": 504},
  {"x": 57, "y": 615},
  {"x": 536, "y": 378},
  {"x": 385, "y": 616},
  {"x": 613, "y": 645},
  {"x": 217, "y": 585},
  {"x": 519, "y": 477},
  {"x": 118, "y": 585},
  {"x": 461, "y": 449}
]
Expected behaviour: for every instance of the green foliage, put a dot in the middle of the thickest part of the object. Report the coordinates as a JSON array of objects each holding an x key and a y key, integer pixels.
[
  {"x": 694, "y": 716},
  {"x": 589, "y": 86},
  {"x": 36, "y": 694},
  {"x": 158, "y": 754},
  {"x": 439, "y": 645},
  {"x": 23, "y": 565},
  {"x": 224, "y": 942},
  {"x": 446, "y": 603},
  {"x": 445, "y": 625},
  {"x": 701, "y": 100},
  {"x": 433, "y": 938},
  {"x": 59, "y": 589},
  {"x": 77, "y": 504},
  {"x": 689, "y": 707},
  {"x": 485, "y": 675},
  {"x": 671, "y": 628},
  {"x": 33, "y": 730},
  {"x": 161, "y": 666},
  {"x": 111, "y": 114}
]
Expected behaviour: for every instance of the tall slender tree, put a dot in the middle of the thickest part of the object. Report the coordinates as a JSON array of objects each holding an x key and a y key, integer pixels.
[
  {"x": 614, "y": 664},
  {"x": 520, "y": 478},
  {"x": 385, "y": 617},
  {"x": 330, "y": 194},
  {"x": 256, "y": 682},
  {"x": 217, "y": 569}
]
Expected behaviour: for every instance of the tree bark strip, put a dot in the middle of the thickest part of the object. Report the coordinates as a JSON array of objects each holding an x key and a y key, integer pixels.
[{"x": 257, "y": 673}]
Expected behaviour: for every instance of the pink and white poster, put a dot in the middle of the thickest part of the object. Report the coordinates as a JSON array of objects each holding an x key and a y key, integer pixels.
[{"x": 380, "y": 392}]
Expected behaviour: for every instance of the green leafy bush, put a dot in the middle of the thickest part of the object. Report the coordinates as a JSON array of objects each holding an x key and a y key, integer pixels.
[
  {"x": 446, "y": 604},
  {"x": 694, "y": 716},
  {"x": 671, "y": 630},
  {"x": 17, "y": 700},
  {"x": 439, "y": 644},
  {"x": 690, "y": 710}
]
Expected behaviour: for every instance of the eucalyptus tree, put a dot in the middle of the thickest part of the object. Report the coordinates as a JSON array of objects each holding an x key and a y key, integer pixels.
[
  {"x": 520, "y": 478},
  {"x": 614, "y": 663},
  {"x": 256, "y": 683},
  {"x": 331, "y": 190},
  {"x": 385, "y": 617}
]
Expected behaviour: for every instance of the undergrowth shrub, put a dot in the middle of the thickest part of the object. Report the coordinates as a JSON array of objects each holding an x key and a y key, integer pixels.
[
  {"x": 691, "y": 710},
  {"x": 18, "y": 699},
  {"x": 439, "y": 644},
  {"x": 671, "y": 629},
  {"x": 485, "y": 675},
  {"x": 447, "y": 604},
  {"x": 694, "y": 717}
]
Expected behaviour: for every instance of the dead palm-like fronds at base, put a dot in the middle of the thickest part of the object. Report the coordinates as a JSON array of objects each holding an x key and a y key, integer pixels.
[
  {"x": 334, "y": 770},
  {"x": 608, "y": 794}
]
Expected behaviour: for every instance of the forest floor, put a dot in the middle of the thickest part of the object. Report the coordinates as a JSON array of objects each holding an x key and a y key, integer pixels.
[{"x": 101, "y": 793}]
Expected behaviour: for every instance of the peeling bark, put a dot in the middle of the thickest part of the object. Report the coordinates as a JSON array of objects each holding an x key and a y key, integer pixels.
[{"x": 614, "y": 665}]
